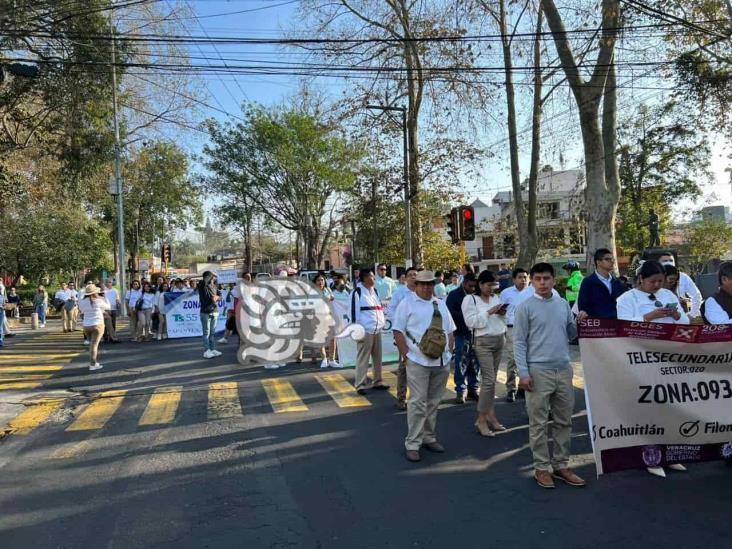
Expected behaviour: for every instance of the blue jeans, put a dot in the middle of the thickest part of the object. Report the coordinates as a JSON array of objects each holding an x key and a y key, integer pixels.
[
  {"x": 471, "y": 374},
  {"x": 2, "y": 320},
  {"x": 208, "y": 323},
  {"x": 41, "y": 312}
]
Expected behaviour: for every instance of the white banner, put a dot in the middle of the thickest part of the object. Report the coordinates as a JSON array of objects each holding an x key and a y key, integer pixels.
[
  {"x": 657, "y": 394},
  {"x": 226, "y": 276},
  {"x": 182, "y": 315}
]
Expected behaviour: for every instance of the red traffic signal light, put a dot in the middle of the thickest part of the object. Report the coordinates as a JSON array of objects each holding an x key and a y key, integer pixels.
[{"x": 467, "y": 223}]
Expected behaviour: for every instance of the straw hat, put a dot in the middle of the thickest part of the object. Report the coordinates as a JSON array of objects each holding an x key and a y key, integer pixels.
[
  {"x": 91, "y": 289},
  {"x": 425, "y": 276}
]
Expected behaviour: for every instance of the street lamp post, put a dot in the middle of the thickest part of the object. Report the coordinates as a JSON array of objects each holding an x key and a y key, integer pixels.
[
  {"x": 407, "y": 192},
  {"x": 118, "y": 176}
]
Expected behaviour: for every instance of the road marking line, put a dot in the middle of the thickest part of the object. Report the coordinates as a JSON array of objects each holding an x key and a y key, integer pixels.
[
  {"x": 13, "y": 369},
  {"x": 282, "y": 396},
  {"x": 33, "y": 416},
  {"x": 26, "y": 377},
  {"x": 68, "y": 451},
  {"x": 223, "y": 400},
  {"x": 10, "y": 386},
  {"x": 8, "y": 357},
  {"x": 162, "y": 407},
  {"x": 96, "y": 415},
  {"x": 341, "y": 391}
]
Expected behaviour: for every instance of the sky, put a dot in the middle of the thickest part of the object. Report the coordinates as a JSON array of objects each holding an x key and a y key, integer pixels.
[{"x": 272, "y": 18}]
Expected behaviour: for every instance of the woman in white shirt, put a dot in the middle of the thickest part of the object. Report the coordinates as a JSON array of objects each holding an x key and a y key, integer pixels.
[
  {"x": 484, "y": 314},
  {"x": 651, "y": 302},
  {"x": 145, "y": 308},
  {"x": 92, "y": 306},
  {"x": 160, "y": 309}
]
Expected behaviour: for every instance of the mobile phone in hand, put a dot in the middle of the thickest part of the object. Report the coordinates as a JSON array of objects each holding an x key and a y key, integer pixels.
[{"x": 671, "y": 305}]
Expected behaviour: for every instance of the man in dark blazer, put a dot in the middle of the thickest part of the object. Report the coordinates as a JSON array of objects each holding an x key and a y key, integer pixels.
[{"x": 600, "y": 290}]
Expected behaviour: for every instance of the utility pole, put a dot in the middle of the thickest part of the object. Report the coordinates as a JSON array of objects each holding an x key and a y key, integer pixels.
[
  {"x": 118, "y": 176},
  {"x": 407, "y": 191},
  {"x": 375, "y": 222}
]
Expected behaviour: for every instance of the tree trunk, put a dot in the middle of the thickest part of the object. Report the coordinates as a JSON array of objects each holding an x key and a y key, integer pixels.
[
  {"x": 530, "y": 248},
  {"x": 518, "y": 200},
  {"x": 248, "y": 244},
  {"x": 414, "y": 188},
  {"x": 602, "y": 193}
]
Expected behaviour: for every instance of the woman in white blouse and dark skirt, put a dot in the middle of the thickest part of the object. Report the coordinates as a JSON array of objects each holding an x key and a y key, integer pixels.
[
  {"x": 651, "y": 302},
  {"x": 485, "y": 315}
]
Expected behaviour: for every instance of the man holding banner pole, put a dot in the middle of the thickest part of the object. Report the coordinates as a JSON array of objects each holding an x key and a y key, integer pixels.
[{"x": 543, "y": 327}]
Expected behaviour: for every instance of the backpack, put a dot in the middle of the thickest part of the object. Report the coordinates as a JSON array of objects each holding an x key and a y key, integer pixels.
[{"x": 433, "y": 341}]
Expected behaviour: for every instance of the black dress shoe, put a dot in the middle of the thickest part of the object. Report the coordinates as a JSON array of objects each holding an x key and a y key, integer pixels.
[
  {"x": 361, "y": 391},
  {"x": 511, "y": 396},
  {"x": 460, "y": 398},
  {"x": 381, "y": 387},
  {"x": 472, "y": 395}
]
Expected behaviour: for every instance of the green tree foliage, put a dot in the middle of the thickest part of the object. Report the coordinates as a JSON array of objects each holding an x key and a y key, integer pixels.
[
  {"x": 158, "y": 195},
  {"x": 54, "y": 242},
  {"x": 708, "y": 239},
  {"x": 287, "y": 164},
  {"x": 663, "y": 159}
]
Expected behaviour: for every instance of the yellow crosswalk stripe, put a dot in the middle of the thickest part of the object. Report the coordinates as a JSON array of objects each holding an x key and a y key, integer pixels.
[
  {"x": 341, "y": 391},
  {"x": 7, "y": 378},
  {"x": 96, "y": 415},
  {"x": 223, "y": 400},
  {"x": 9, "y": 357},
  {"x": 15, "y": 369},
  {"x": 23, "y": 385},
  {"x": 282, "y": 396},
  {"x": 33, "y": 416},
  {"x": 162, "y": 407}
]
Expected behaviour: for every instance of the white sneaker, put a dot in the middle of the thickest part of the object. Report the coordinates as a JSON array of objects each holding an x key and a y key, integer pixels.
[
  {"x": 324, "y": 364},
  {"x": 223, "y": 340},
  {"x": 658, "y": 471},
  {"x": 677, "y": 467},
  {"x": 271, "y": 366},
  {"x": 160, "y": 337},
  {"x": 334, "y": 364},
  {"x": 42, "y": 325},
  {"x": 86, "y": 342},
  {"x": 96, "y": 366},
  {"x": 208, "y": 354},
  {"x": 216, "y": 353}
]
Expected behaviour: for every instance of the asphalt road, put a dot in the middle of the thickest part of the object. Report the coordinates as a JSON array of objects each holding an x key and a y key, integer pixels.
[{"x": 165, "y": 449}]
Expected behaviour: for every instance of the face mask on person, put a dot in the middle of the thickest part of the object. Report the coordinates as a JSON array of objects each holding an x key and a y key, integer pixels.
[{"x": 667, "y": 262}]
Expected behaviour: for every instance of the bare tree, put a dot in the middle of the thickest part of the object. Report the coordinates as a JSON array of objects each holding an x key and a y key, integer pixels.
[{"x": 598, "y": 134}]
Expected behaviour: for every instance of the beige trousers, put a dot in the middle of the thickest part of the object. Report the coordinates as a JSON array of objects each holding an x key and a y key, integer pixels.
[
  {"x": 553, "y": 391},
  {"x": 368, "y": 347},
  {"x": 68, "y": 319},
  {"x": 426, "y": 388},
  {"x": 94, "y": 335},
  {"x": 511, "y": 368},
  {"x": 488, "y": 350},
  {"x": 144, "y": 323}
]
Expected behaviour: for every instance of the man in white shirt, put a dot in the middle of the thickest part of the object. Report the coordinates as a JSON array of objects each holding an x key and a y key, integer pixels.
[
  {"x": 64, "y": 295},
  {"x": 75, "y": 310},
  {"x": 115, "y": 305},
  {"x": 718, "y": 307},
  {"x": 402, "y": 292},
  {"x": 426, "y": 375},
  {"x": 686, "y": 287},
  {"x": 366, "y": 310},
  {"x": 513, "y": 296},
  {"x": 385, "y": 285}
]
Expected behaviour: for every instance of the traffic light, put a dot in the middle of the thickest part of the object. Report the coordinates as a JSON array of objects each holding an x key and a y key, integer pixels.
[
  {"x": 453, "y": 226},
  {"x": 466, "y": 222},
  {"x": 166, "y": 255}
]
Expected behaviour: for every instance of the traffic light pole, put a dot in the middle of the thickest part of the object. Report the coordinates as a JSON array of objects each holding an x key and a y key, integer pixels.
[{"x": 121, "y": 278}]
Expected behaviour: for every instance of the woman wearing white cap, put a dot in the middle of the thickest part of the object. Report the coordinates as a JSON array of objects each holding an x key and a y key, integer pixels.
[{"x": 92, "y": 306}]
